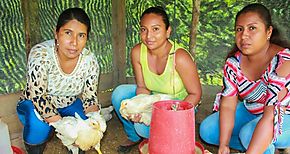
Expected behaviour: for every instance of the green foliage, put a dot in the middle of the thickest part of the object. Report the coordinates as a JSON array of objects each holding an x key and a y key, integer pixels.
[
  {"x": 12, "y": 47},
  {"x": 215, "y": 29},
  {"x": 214, "y": 39},
  {"x": 280, "y": 11}
]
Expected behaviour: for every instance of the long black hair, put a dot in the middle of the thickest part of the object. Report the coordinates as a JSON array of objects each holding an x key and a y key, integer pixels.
[{"x": 265, "y": 15}]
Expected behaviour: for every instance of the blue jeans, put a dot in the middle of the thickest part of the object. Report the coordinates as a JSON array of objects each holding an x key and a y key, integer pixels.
[
  {"x": 36, "y": 131},
  {"x": 133, "y": 130},
  {"x": 244, "y": 126}
]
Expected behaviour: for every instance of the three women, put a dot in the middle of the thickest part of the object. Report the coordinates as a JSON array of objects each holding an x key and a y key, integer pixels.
[{"x": 161, "y": 66}]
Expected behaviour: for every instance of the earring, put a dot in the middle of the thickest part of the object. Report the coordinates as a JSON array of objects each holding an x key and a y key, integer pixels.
[
  {"x": 56, "y": 45},
  {"x": 56, "y": 42},
  {"x": 268, "y": 38}
]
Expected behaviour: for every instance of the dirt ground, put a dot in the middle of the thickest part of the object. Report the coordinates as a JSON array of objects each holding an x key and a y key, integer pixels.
[{"x": 114, "y": 135}]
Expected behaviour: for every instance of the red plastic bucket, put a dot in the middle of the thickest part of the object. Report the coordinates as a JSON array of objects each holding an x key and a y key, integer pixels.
[
  {"x": 143, "y": 148},
  {"x": 199, "y": 149},
  {"x": 172, "y": 131},
  {"x": 17, "y": 150}
]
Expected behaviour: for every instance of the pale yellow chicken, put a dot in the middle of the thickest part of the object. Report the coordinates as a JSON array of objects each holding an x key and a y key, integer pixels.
[
  {"x": 84, "y": 133},
  {"x": 141, "y": 104}
]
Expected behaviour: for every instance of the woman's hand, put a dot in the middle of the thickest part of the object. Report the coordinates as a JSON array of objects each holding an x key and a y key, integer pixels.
[
  {"x": 224, "y": 149},
  {"x": 92, "y": 108},
  {"x": 228, "y": 107},
  {"x": 53, "y": 118},
  {"x": 135, "y": 117}
]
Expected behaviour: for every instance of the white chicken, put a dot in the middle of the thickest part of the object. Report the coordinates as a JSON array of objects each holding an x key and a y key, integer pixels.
[
  {"x": 83, "y": 133},
  {"x": 141, "y": 104},
  {"x": 106, "y": 112}
]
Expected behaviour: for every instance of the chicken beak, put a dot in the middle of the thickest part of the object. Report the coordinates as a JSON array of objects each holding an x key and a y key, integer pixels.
[
  {"x": 122, "y": 106},
  {"x": 95, "y": 125}
]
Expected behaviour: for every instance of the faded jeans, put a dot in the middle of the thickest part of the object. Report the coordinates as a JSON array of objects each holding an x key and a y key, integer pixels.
[
  {"x": 36, "y": 130},
  {"x": 245, "y": 123}
]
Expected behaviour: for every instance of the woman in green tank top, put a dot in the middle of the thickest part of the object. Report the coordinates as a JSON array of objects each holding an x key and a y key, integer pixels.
[{"x": 159, "y": 66}]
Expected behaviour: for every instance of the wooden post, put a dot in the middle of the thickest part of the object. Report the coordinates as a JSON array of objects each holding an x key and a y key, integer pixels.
[
  {"x": 31, "y": 26},
  {"x": 194, "y": 24},
  {"x": 119, "y": 41}
]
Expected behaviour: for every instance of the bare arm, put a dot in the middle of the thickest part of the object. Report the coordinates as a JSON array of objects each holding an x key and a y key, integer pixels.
[
  {"x": 187, "y": 70},
  {"x": 135, "y": 59},
  {"x": 263, "y": 133},
  {"x": 53, "y": 118},
  {"x": 227, "y": 119}
]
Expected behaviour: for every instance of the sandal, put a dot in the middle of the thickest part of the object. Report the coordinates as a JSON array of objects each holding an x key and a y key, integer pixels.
[{"x": 124, "y": 149}]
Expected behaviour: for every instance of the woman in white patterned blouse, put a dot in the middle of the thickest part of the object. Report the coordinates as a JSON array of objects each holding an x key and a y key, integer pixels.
[{"x": 59, "y": 71}]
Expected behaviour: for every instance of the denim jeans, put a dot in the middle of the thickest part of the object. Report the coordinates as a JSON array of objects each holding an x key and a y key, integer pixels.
[
  {"x": 36, "y": 130},
  {"x": 134, "y": 131},
  {"x": 245, "y": 123}
]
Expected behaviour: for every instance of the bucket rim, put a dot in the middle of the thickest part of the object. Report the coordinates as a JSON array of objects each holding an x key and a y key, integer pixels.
[
  {"x": 146, "y": 141},
  {"x": 17, "y": 150},
  {"x": 163, "y": 105}
]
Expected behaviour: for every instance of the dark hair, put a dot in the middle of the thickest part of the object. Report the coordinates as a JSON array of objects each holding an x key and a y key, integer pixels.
[
  {"x": 159, "y": 11},
  {"x": 71, "y": 14},
  {"x": 265, "y": 15}
]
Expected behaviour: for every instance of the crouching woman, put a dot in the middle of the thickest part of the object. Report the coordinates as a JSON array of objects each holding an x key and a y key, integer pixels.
[
  {"x": 59, "y": 71},
  {"x": 160, "y": 66},
  {"x": 255, "y": 95}
]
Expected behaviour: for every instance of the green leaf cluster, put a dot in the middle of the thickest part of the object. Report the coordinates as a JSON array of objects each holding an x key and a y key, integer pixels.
[{"x": 215, "y": 35}]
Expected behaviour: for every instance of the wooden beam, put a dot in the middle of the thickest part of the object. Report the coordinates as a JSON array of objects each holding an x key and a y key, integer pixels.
[
  {"x": 31, "y": 26},
  {"x": 119, "y": 41},
  {"x": 194, "y": 25},
  {"x": 105, "y": 82}
]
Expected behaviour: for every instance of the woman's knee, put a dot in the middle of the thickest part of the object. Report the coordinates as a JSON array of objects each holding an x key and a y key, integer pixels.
[
  {"x": 142, "y": 130},
  {"x": 117, "y": 94},
  {"x": 24, "y": 110},
  {"x": 247, "y": 131},
  {"x": 245, "y": 138},
  {"x": 122, "y": 92},
  {"x": 37, "y": 134},
  {"x": 36, "y": 131},
  {"x": 209, "y": 128},
  {"x": 25, "y": 106}
]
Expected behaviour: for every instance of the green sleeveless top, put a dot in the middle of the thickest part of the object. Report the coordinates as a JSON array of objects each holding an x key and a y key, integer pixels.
[{"x": 169, "y": 82}]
